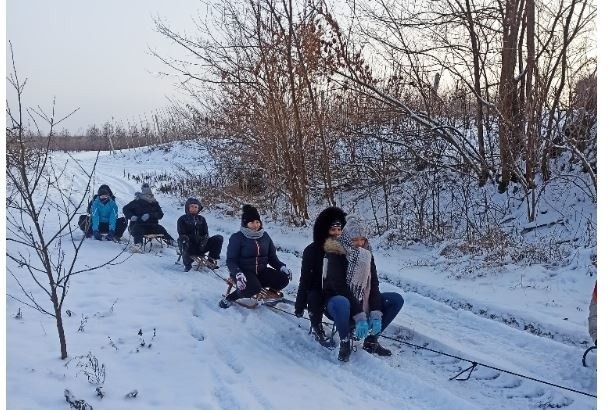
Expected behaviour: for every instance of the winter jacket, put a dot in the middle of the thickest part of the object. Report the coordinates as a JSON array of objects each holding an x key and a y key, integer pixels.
[
  {"x": 334, "y": 279},
  {"x": 251, "y": 255},
  {"x": 592, "y": 316},
  {"x": 103, "y": 212},
  {"x": 193, "y": 226},
  {"x": 139, "y": 207}
]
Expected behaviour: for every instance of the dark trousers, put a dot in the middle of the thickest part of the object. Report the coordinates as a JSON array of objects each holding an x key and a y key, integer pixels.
[
  {"x": 138, "y": 230},
  {"x": 268, "y": 278},
  {"x": 85, "y": 224},
  {"x": 315, "y": 306},
  {"x": 213, "y": 245}
]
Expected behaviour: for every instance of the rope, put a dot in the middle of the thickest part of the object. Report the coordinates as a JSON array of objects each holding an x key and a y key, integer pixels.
[{"x": 471, "y": 368}]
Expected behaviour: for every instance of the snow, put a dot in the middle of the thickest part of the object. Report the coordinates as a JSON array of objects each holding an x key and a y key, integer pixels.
[{"x": 529, "y": 320}]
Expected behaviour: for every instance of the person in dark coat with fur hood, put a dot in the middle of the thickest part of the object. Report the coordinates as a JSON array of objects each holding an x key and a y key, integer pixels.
[
  {"x": 351, "y": 290},
  {"x": 194, "y": 236},
  {"x": 328, "y": 224},
  {"x": 144, "y": 212},
  {"x": 252, "y": 260}
]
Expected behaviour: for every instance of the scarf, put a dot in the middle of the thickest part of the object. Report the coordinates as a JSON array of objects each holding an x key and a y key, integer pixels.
[
  {"x": 251, "y": 234},
  {"x": 358, "y": 275},
  {"x": 146, "y": 197}
]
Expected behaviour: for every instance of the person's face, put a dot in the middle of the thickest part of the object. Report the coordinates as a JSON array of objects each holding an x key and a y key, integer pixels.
[
  {"x": 334, "y": 231},
  {"x": 359, "y": 242},
  {"x": 193, "y": 209},
  {"x": 254, "y": 225},
  {"x": 104, "y": 198}
]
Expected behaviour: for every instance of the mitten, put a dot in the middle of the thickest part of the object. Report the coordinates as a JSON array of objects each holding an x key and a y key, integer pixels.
[
  {"x": 376, "y": 326},
  {"x": 362, "y": 329},
  {"x": 144, "y": 217},
  {"x": 97, "y": 236},
  {"x": 241, "y": 281},
  {"x": 288, "y": 272},
  {"x": 110, "y": 235},
  {"x": 134, "y": 218}
]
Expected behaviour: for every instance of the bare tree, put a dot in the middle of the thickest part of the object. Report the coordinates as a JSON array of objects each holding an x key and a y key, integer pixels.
[{"x": 42, "y": 205}]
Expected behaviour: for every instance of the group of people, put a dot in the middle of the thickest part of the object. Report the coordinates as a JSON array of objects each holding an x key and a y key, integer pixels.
[{"x": 338, "y": 273}]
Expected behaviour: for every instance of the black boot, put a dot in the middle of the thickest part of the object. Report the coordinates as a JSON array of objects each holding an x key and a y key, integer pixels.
[
  {"x": 372, "y": 346},
  {"x": 345, "y": 349},
  {"x": 320, "y": 335}
]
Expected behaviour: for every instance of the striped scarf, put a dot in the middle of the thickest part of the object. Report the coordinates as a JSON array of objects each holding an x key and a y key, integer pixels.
[{"x": 358, "y": 275}]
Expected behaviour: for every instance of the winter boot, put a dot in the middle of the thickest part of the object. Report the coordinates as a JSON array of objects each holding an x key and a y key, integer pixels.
[
  {"x": 345, "y": 349},
  {"x": 372, "y": 346},
  {"x": 225, "y": 303},
  {"x": 187, "y": 268},
  {"x": 320, "y": 335},
  {"x": 211, "y": 263}
]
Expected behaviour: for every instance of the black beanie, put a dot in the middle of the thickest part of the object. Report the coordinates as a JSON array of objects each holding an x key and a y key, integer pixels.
[{"x": 249, "y": 214}]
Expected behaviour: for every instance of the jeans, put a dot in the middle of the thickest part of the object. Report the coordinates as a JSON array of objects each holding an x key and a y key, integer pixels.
[{"x": 338, "y": 308}]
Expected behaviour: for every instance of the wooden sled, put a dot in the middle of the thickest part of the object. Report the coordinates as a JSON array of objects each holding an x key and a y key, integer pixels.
[
  {"x": 266, "y": 296},
  {"x": 151, "y": 238},
  {"x": 202, "y": 262}
]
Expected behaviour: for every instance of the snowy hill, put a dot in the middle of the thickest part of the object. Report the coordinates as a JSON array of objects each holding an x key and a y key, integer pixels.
[{"x": 190, "y": 354}]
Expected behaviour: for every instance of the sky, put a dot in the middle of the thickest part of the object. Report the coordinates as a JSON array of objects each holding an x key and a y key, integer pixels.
[{"x": 93, "y": 55}]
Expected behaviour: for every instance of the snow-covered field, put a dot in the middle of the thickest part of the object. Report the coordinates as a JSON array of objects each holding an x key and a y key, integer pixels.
[{"x": 529, "y": 321}]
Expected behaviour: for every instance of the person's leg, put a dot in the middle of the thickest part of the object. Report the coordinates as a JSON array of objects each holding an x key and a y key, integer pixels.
[
  {"x": 187, "y": 249},
  {"x": 214, "y": 246},
  {"x": 137, "y": 231},
  {"x": 391, "y": 306},
  {"x": 273, "y": 279},
  {"x": 252, "y": 287},
  {"x": 339, "y": 309},
  {"x": 120, "y": 227},
  {"x": 103, "y": 227},
  {"x": 315, "y": 307}
]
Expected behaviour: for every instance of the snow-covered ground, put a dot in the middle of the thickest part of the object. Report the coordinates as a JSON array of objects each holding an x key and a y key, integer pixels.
[{"x": 529, "y": 321}]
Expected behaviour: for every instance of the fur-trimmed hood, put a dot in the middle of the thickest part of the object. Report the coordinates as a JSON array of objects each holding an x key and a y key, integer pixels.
[
  {"x": 333, "y": 246},
  {"x": 324, "y": 221}
]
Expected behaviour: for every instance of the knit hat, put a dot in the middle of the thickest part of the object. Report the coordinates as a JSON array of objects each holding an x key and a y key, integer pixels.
[
  {"x": 249, "y": 214},
  {"x": 104, "y": 190},
  {"x": 145, "y": 189},
  {"x": 354, "y": 228}
]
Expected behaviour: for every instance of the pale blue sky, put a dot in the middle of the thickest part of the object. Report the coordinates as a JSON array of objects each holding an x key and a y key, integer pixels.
[{"x": 94, "y": 55}]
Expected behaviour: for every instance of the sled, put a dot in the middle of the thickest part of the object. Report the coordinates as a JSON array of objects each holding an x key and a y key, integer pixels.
[
  {"x": 266, "y": 296},
  {"x": 202, "y": 261},
  {"x": 151, "y": 238}
]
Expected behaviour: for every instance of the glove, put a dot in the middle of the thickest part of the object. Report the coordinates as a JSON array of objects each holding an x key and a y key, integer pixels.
[
  {"x": 362, "y": 329},
  {"x": 376, "y": 326},
  {"x": 299, "y": 312},
  {"x": 110, "y": 235},
  {"x": 144, "y": 217},
  {"x": 288, "y": 272},
  {"x": 97, "y": 236},
  {"x": 241, "y": 281},
  {"x": 134, "y": 218}
]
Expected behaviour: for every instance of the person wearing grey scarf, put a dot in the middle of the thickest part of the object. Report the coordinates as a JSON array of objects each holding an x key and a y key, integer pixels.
[
  {"x": 144, "y": 214},
  {"x": 252, "y": 260},
  {"x": 351, "y": 290}
]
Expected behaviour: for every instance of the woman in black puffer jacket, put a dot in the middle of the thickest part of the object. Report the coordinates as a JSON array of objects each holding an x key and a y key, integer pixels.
[{"x": 252, "y": 259}]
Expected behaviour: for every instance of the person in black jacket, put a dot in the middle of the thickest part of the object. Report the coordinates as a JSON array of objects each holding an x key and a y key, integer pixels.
[
  {"x": 194, "y": 236},
  {"x": 351, "y": 290},
  {"x": 328, "y": 224},
  {"x": 248, "y": 256},
  {"x": 144, "y": 212}
]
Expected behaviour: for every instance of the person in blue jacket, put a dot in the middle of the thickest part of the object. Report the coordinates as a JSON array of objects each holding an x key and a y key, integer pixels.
[
  {"x": 252, "y": 260},
  {"x": 103, "y": 217}
]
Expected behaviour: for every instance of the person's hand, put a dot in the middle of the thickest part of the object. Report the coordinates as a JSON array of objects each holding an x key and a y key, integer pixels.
[
  {"x": 241, "y": 281},
  {"x": 97, "y": 236},
  {"x": 284, "y": 269},
  {"x": 362, "y": 329},
  {"x": 144, "y": 217},
  {"x": 134, "y": 218},
  {"x": 376, "y": 326}
]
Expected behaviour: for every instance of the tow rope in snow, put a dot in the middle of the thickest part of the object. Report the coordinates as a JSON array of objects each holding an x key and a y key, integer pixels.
[{"x": 470, "y": 369}]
